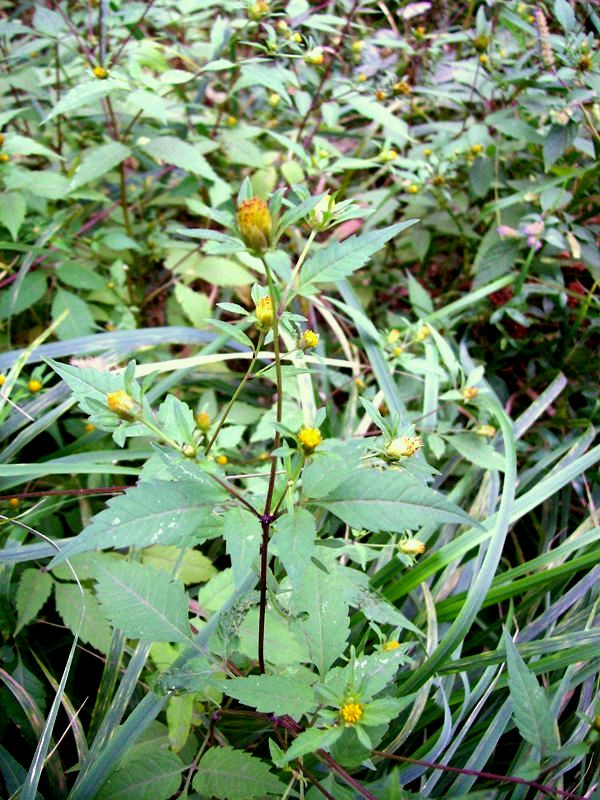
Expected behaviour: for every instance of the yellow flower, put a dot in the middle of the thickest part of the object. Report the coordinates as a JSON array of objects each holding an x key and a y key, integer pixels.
[
  {"x": 393, "y": 336},
  {"x": 231, "y": 121},
  {"x": 402, "y": 87},
  {"x": 2, "y": 379},
  {"x": 122, "y": 404},
  {"x": 412, "y": 547},
  {"x": 314, "y": 56},
  {"x": 2, "y": 137},
  {"x": 483, "y": 59},
  {"x": 380, "y": 95},
  {"x": 14, "y": 502},
  {"x": 419, "y": 32},
  {"x": 422, "y": 333},
  {"x": 310, "y": 439},
  {"x": 89, "y": 427},
  {"x": 4, "y": 157},
  {"x": 189, "y": 451},
  {"x": 357, "y": 45},
  {"x": 309, "y": 339},
  {"x": 297, "y": 37},
  {"x": 351, "y": 713},
  {"x": 264, "y": 314},
  {"x": 222, "y": 460},
  {"x": 274, "y": 99},
  {"x": 476, "y": 149},
  {"x": 470, "y": 392},
  {"x": 388, "y": 155},
  {"x": 485, "y": 430},
  {"x": 362, "y": 77},
  {"x": 387, "y": 647},
  {"x": 397, "y": 351},
  {"x": 34, "y": 386},
  {"x": 254, "y": 220},
  {"x": 427, "y": 152},
  {"x": 203, "y": 421},
  {"x": 413, "y": 189},
  {"x": 100, "y": 73},
  {"x": 404, "y": 447},
  {"x": 258, "y": 10}
]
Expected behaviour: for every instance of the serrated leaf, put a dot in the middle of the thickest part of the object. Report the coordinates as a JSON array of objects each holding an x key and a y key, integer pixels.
[
  {"x": 337, "y": 260},
  {"x": 323, "y": 600},
  {"x": 233, "y": 331},
  {"x": 95, "y": 629},
  {"x": 393, "y": 124},
  {"x": 311, "y": 740},
  {"x": 97, "y": 162},
  {"x": 179, "y": 719},
  {"x": 194, "y": 567},
  {"x": 83, "y": 95},
  {"x": 242, "y": 533},
  {"x": 276, "y": 694},
  {"x": 23, "y": 294},
  {"x": 155, "y": 512},
  {"x": 531, "y": 708},
  {"x": 143, "y": 601},
  {"x": 229, "y": 774},
  {"x": 33, "y": 591},
  {"x": 79, "y": 322},
  {"x": 477, "y": 451},
  {"x": 294, "y": 538},
  {"x": 12, "y": 212},
  {"x": 419, "y": 297},
  {"x": 195, "y": 305},
  {"x": 557, "y": 140},
  {"x": 182, "y": 154},
  {"x": 390, "y": 501},
  {"x": 143, "y": 778}
]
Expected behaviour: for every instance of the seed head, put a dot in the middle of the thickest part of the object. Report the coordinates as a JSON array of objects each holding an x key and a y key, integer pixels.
[
  {"x": 264, "y": 314},
  {"x": 310, "y": 439},
  {"x": 351, "y": 713},
  {"x": 255, "y": 223},
  {"x": 122, "y": 404},
  {"x": 403, "y": 447}
]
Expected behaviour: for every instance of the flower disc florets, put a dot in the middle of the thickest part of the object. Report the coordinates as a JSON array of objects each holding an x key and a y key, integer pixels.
[
  {"x": 403, "y": 447},
  {"x": 122, "y": 404},
  {"x": 255, "y": 223},
  {"x": 351, "y": 713},
  {"x": 310, "y": 439},
  {"x": 264, "y": 314},
  {"x": 308, "y": 340}
]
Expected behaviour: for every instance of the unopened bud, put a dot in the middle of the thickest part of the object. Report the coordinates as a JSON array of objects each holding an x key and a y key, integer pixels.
[
  {"x": 255, "y": 224},
  {"x": 122, "y": 404},
  {"x": 264, "y": 314}
]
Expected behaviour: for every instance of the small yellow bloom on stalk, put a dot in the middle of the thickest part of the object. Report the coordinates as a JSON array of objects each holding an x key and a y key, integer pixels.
[
  {"x": 402, "y": 87},
  {"x": 255, "y": 223},
  {"x": 264, "y": 314},
  {"x": 360, "y": 384},
  {"x": 393, "y": 336},
  {"x": 397, "y": 351},
  {"x": 314, "y": 56},
  {"x": 122, "y": 404},
  {"x": 273, "y": 99},
  {"x": 380, "y": 95},
  {"x": 485, "y": 430},
  {"x": 89, "y": 427},
  {"x": 387, "y": 647},
  {"x": 231, "y": 121},
  {"x": 297, "y": 37},
  {"x": 469, "y": 392},
  {"x": 412, "y": 547},
  {"x": 222, "y": 460},
  {"x": 362, "y": 77},
  {"x": 403, "y": 447},
  {"x": 309, "y": 339},
  {"x": 189, "y": 451},
  {"x": 4, "y": 157},
  {"x": 476, "y": 149},
  {"x": 351, "y": 713},
  {"x": 422, "y": 333},
  {"x": 203, "y": 421},
  {"x": 2, "y": 379},
  {"x": 100, "y": 73},
  {"x": 357, "y": 45},
  {"x": 419, "y": 32},
  {"x": 34, "y": 386},
  {"x": 427, "y": 152},
  {"x": 258, "y": 10},
  {"x": 14, "y": 502},
  {"x": 413, "y": 189},
  {"x": 483, "y": 59},
  {"x": 310, "y": 439},
  {"x": 388, "y": 155}
]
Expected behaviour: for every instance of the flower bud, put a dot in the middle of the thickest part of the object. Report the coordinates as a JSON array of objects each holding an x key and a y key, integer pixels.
[
  {"x": 4, "y": 157},
  {"x": 314, "y": 56},
  {"x": 402, "y": 87},
  {"x": 100, "y": 73},
  {"x": 255, "y": 224},
  {"x": 273, "y": 99},
  {"x": 387, "y": 647},
  {"x": 189, "y": 451},
  {"x": 264, "y": 314},
  {"x": 258, "y": 10},
  {"x": 203, "y": 421},
  {"x": 486, "y": 430},
  {"x": 422, "y": 333},
  {"x": 310, "y": 439},
  {"x": 403, "y": 447},
  {"x": 412, "y": 547},
  {"x": 122, "y": 404},
  {"x": 222, "y": 460},
  {"x": 34, "y": 386},
  {"x": 481, "y": 43},
  {"x": 470, "y": 392},
  {"x": 321, "y": 214},
  {"x": 393, "y": 336},
  {"x": 308, "y": 340}
]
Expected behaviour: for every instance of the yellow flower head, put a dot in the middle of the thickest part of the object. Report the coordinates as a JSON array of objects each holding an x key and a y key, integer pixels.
[
  {"x": 14, "y": 502},
  {"x": 203, "y": 421},
  {"x": 34, "y": 386},
  {"x": 314, "y": 56},
  {"x": 4, "y": 157},
  {"x": 422, "y": 333},
  {"x": 483, "y": 59},
  {"x": 388, "y": 155},
  {"x": 258, "y": 10},
  {"x": 264, "y": 314},
  {"x": 413, "y": 188},
  {"x": 100, "y": 73},
  {"x": 309, "y": 339},
  {"x": 357, "y": 45},
  {"x": 486, "y": 430},
  {"x": 89, "y": 427},
  {"x": 412, "y": 547},
  {"x": 470, "y": 392},
  {"x": 189, "y": 451},
  {"x": 427, "y": 152},
  {"x": 310, "y": 439},
  {"x": 274, "y": 100},
  {"x": 2, "y": 379},
  {"x": 419, "y": 32},
  {"x": 402, "y": 87},
  {"x": 404, "y": 447},
  {"x": 387, "y": 647},
  {"x": 231, "y": 121},
  {"x": 393, "y": 336},
  {"x": 397, "y": 351},
  {"x": 222, "y": 460},
  {"x": 255, "y": 223},
  {"x": 380, "y": 95},
  {"x": 351, "y": 713},
  {"x": 476, "y": 149},
  {"x": 122, "y": 404}
]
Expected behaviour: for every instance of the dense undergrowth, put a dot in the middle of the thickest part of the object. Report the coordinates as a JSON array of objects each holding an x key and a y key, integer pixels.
[{"x": 298, "y": 327}]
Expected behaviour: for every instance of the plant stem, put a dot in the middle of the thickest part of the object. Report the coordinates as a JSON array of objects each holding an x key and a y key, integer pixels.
[
  {"x": 296, "y": 271},
  {"x": 524, "y": 271},
  {"x": 236, "y": 393}
]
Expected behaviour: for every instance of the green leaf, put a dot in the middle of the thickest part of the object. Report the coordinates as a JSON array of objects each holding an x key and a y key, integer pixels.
[
  {"x": 179, "y": 153},
  {"x": 229, "y": 774},
  {"x": 154, "y": 512},
  {"x": 282, "y": 648},
  {"x": 149, "y": 103},
  {"x": 195, "y": 305},
  {"x": 481, "y": 176},
  {"x": 311, "y": 740},
  {"x": 33, "y": 591},
  {"x": 80, "y": 321},
  {"x": 565, "y": 15},
  {"x": 322, "y": 599},
  {"x": 531, "y": 708},
  {"x": 12, "y": 212},
  {"x": 276, "y": 694},
  {"x": 42, "y": 183},
  {"x": 557, "y": 140},
  {"x": 143, "y": 601},
  {"x": 476, "y": 450},
  {"x": 179, "y": 719},
  {"x": 95, "y": 630},
  {"x": 294, "y": 539},
  {"x": 242, "y": 533},
  {"x": 154, "y": 778},
  {"x": 194, "y": 567},
  {"x": 389, "y": 501},
  {"x": 340, "y": 259},
  {"x": 24, "y": 146},
  {"x": 83, "y": 95},
  {"x": 393, "y": 124},
  {"x": 419, "y": 297},
  {"x": 97, "y": 161},
  {"x": 233, "y": 331},
  {"x": 23, "y": 294}
]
